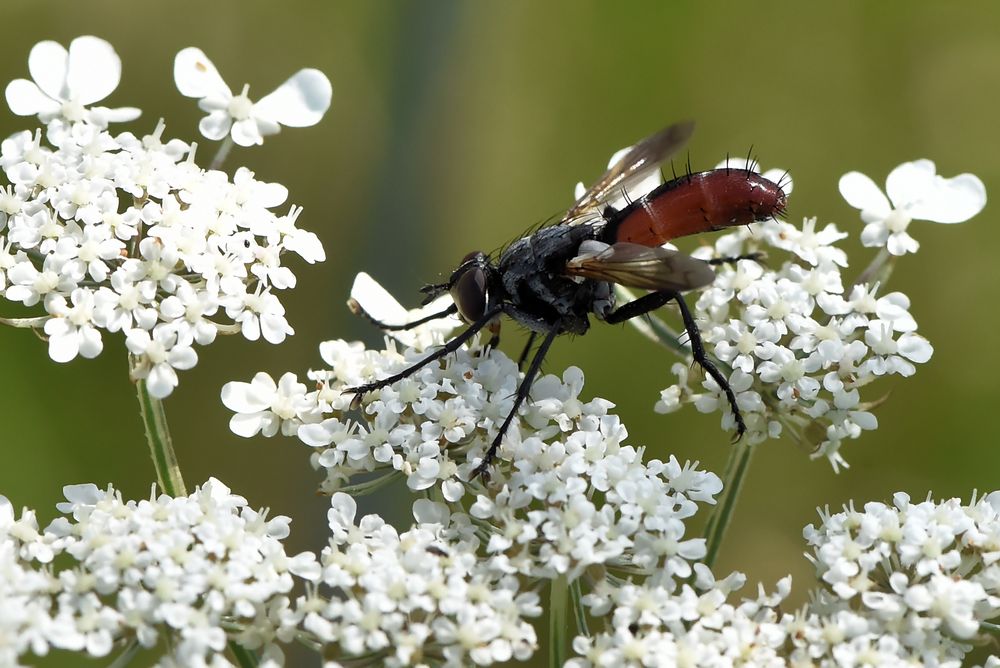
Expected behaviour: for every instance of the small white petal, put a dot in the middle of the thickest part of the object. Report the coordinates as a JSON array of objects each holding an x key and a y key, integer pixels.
[
  {"x": 216, "y": 125},
  {"x": 161, "y": 381},
  {"x": 316, "y": 435},
  {"x": 119, "y": 114},
  {"x": 862, "y": 193},
  {"x": 376, "y": 300},
  {"x": 246, "y": 425},
  {"x": 48, "y": 64},
  {"x": 94, "y": 69},
  {"x": 865, "y": 420},
  {"x": 90, "y": 342},
  {"x": 26, "y": 99},
  {"x": 915, "y": 347},
  {"x": 247, "y": 397},
  {"x": 908, "y": 182},
  {"x": 901, "y": 244},
  {"x": 196, "y": 76},
  {"x": 953, "y": 200},
  {"x": 299, "y": 102},
  {"x": 246, "y": 133},
  {"x": 85, "y": 494},
  {"x": 183, "y": 358},
  {"x": 64, "y": 347}
]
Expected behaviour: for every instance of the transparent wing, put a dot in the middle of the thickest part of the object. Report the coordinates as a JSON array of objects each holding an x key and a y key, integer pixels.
[
  {"x": 643, "y": 267},
  {"x": 634, "y": 166}
]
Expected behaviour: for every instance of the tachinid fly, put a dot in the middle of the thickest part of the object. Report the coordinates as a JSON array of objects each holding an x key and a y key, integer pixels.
[{"x": 553, "y": 280}]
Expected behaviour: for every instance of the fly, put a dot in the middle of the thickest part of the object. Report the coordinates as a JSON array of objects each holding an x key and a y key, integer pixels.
[{"x": 553, "y": 280}]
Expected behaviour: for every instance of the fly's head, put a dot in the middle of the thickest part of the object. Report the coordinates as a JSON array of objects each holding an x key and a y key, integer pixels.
[{"x": 469, "y": 286}]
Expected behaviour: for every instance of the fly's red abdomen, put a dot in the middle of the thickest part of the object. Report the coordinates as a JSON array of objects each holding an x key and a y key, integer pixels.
[{"x": 696, "y": 203}]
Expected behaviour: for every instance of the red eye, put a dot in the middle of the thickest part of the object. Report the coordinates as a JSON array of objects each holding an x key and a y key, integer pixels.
[{"x": 469, "y": 290}]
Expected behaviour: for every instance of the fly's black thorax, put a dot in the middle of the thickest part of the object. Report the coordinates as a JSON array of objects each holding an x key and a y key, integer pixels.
[{"x": 531, "y": 270}]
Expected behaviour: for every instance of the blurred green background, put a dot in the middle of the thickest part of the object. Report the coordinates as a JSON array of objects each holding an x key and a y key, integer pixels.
[{"x": 455, "y": 126}]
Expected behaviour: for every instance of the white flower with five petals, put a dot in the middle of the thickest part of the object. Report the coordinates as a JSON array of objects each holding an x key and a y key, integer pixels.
[
  {"x": 263, "y": 406},
  {"x": 160, "y": 354},
  {"x": 915, "y": 192},
  {"x": 66, "y": 81},
  {"x": 299, "y": 102}
]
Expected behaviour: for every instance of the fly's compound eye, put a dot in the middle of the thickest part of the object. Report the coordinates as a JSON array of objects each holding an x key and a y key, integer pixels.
[{"x": 468, "y": 289}]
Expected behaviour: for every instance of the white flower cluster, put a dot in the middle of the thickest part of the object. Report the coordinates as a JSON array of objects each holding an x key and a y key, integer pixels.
[
  {"x": 202, "y": 570},
  {"x": 903, "y": 585},
  {"x": 798, "y": 340},
  {"x": 927, "y": 570},
  {"x": 693, "y": 625},
  {"x": 594, "y": 499},
  {"x": 124, "y": 233},
  {"x": 417, "y": 597},
  {"x": 799, "y": 344},
  {"x": 26, "y": 624}
]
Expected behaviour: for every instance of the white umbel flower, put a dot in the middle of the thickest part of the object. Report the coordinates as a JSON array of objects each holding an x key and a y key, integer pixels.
[
  {"x": 65, "y": 82},
  {"x": 126, "y": 233},
  {"x": 915, "y": 192},
  {"x": 299, "y": 102}
]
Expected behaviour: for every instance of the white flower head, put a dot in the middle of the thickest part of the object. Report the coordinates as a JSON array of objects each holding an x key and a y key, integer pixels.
[
  {"x": 299, "y": 102},
  {"x": 65, "y": 82},
  {"x": 915, "y": 192},
  {"x": 127, "y": 233}
]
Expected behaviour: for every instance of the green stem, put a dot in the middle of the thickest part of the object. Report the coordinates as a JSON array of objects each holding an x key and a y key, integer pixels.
[
  {"x": 558, "y": 636},
  {"x": 879, "y": 270},
  {"x": 579, "y": 612},
  {"x": 34, "y": 323},
  {"x": 161, "y": 447},
  {"x": 369, "y": 486},
  {"x": 244, "y": 657},
  {"x": 126, "y": 656},
  {"x": 222, "y": 153},
  {"x": 736, "y": 471}
]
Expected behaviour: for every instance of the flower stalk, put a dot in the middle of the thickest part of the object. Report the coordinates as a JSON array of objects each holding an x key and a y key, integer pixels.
[
  {"x": 161, "y": 447},
  {"x": 558, "y": 620},
  {"x": 735, "y": 475}
]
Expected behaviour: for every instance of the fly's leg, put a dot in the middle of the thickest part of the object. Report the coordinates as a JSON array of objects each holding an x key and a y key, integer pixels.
[
  {"x": 527, "y": 349},
  {"x": 522, "y": 394},
  {"x": 357, "y": 310},
  {"x": 756, "y": 256},
  {"x": 655, "y": 300},
  {"x": 447, "y": 348}
]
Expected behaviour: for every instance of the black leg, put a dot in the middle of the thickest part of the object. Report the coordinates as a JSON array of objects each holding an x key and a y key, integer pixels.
[
  {"x": 449, "y": 347},
  {"x": 756, "y": 256},
  {"x": 654, "y": 300},
  {"x": 527, "y": 349},
  {"x": 698, "y": 353},
  {"x": 641, "y": 306},
  {"x": 522, "y": 394},
  {"x": 357, "y": 310}
]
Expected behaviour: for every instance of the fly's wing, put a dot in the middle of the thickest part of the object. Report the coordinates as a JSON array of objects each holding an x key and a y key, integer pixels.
[
  {"x": 643, "y": 267},
  {"x": 636, "y": 165}
]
